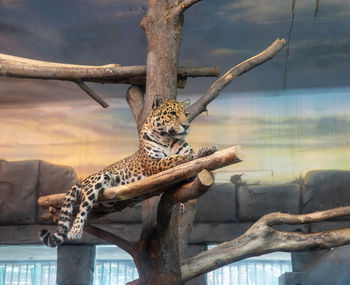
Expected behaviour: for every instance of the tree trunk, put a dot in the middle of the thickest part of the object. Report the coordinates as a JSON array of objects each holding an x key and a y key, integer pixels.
[{"x": 163, "y": 30}]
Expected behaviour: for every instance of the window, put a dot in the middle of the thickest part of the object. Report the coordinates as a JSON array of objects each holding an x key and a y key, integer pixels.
[
  {"x": 29, "y": 265},
  {"x": 113, "y": 266},
  {"x": 261, "y": 270}
]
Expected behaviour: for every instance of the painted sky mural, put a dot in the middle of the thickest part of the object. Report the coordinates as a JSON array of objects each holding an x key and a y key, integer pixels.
[{"x": 284, "y": 132}]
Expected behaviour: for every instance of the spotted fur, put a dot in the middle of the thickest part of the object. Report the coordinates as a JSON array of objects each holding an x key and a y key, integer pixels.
[{"x": 162, "y": 145}]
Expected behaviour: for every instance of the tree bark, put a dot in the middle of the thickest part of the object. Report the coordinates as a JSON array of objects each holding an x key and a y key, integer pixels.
[
  {"x": 214, "y": 90},
  {"x": 135, "y": 96},
  {"x": 262, "y": 238},
  {"x": 162, "y": 25},
  {"x": 155, "y": 184},
  {"x": 20, "y": 67}
]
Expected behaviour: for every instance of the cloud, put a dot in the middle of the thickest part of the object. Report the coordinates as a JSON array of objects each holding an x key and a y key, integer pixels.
[
  {"x": 273, "y": 11},
  {"x": 251, "y": 11},
  {"x": 324, "y": 51},
  {"x": 11, "y": 4},
  {"x": 225, "y": 52}
]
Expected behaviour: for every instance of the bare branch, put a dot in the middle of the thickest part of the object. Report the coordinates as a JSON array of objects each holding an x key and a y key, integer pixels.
[
  {"x": 174, "y": 175},
  {"x": 262, "y": 238},
  {"x": 20, "y": 67},
  {"x": 155, "y": 183},
  {"x": 184, "y": 5},
  {"x": 195, "y": 189},
  {"x": 200, "y": 106},
  {"x": 189, "y": 191},
  {"x": 92, "y": 94},
  {"x": 112, "y": 238},
  {"x": 135, "y": 99}
]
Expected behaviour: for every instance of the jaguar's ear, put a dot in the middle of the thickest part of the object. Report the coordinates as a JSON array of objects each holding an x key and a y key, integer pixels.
[
  {"x": 186, "y": 103},
  {"x": 157, "y": 101}
]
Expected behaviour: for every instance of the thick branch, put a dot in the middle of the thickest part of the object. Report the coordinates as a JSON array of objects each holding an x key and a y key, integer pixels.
[
  {"x": 201, "y": 105},
  {"x": 184, "y": 193},
  {"x": 263, "y": 238},
  {"x": 195, "y": 189},
  {"x": 135, "y": 99},
  {"x": 185, "y": 227},
  {"x": 156, "y": 182},
  {"x": 13, "y": 66},
  {"x": 174, "y": 175}
]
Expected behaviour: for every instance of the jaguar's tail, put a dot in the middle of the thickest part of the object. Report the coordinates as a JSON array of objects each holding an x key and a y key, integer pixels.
[{"x": 55, "y": 239}]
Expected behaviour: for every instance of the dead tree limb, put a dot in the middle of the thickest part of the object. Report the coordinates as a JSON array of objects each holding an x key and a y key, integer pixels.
[
  {"x": 156, "y": 182},
  {"x": 135, "y": 98},
  {"x": 92, "y": 94},
  {"x": 201, "y": 105},
  {"x": 184, "y": 5},
  {"x": 174, "y": 175},
  {"x": 262, "y": 238},
  {"x": 20, "y": 67},
  {"x": 195, "y": 189}
]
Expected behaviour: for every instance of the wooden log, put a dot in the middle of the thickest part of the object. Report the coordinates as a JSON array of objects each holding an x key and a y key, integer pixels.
[
  {"x": 135, "y": 99},
  {"x": 20, "y": 67},
  {"x": 262, "y": 238},
  {"x": 195, "y": 189},
  {"x": 156, "y": 182},
  {"x": 174, "y": 175}
]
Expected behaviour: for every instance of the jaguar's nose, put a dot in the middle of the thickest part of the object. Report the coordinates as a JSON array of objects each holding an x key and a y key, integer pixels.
[{"x": 172, "y": 132}]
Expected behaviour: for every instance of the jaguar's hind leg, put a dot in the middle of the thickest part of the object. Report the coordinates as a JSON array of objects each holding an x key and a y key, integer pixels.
[{"x": 89, "y": 195}]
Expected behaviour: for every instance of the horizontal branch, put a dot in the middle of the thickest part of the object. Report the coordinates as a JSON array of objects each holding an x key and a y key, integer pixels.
[
  {"x": 201, "y": 105},
  {"x": 20, "y": 67},
  {"x": 156, "y": 182},
  {"x": 173, "y": 176},
  {"x": 262, "y": 238}
]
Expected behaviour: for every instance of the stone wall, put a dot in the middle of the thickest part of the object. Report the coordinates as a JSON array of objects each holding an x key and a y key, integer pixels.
[{"x": 223, "y": 213}]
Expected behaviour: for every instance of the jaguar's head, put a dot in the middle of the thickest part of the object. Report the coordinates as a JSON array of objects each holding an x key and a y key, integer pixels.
[{"x": 169, "y": 118}]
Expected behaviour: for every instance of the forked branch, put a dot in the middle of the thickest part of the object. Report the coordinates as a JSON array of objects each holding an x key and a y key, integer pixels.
[
  {"x": 201, "y": 105},
  {"x": 263, "y": 238}
]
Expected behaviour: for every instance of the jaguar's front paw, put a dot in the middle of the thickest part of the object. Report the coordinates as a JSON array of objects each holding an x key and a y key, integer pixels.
[{"x": 205, "y": 151}]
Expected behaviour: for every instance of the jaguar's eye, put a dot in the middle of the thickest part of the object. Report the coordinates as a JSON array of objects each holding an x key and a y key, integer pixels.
[
  {"x": 186, "y": 114},
  {"x": 173, "y": 113}
]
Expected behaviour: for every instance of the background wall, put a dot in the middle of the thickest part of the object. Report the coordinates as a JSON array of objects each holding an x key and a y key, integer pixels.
[
  {"x": 283, "y": 133},
  {"x": 290, "y": 114}
]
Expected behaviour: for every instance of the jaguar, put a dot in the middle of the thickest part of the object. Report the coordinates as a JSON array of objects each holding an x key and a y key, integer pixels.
[{"x": 162, "y": 145}]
